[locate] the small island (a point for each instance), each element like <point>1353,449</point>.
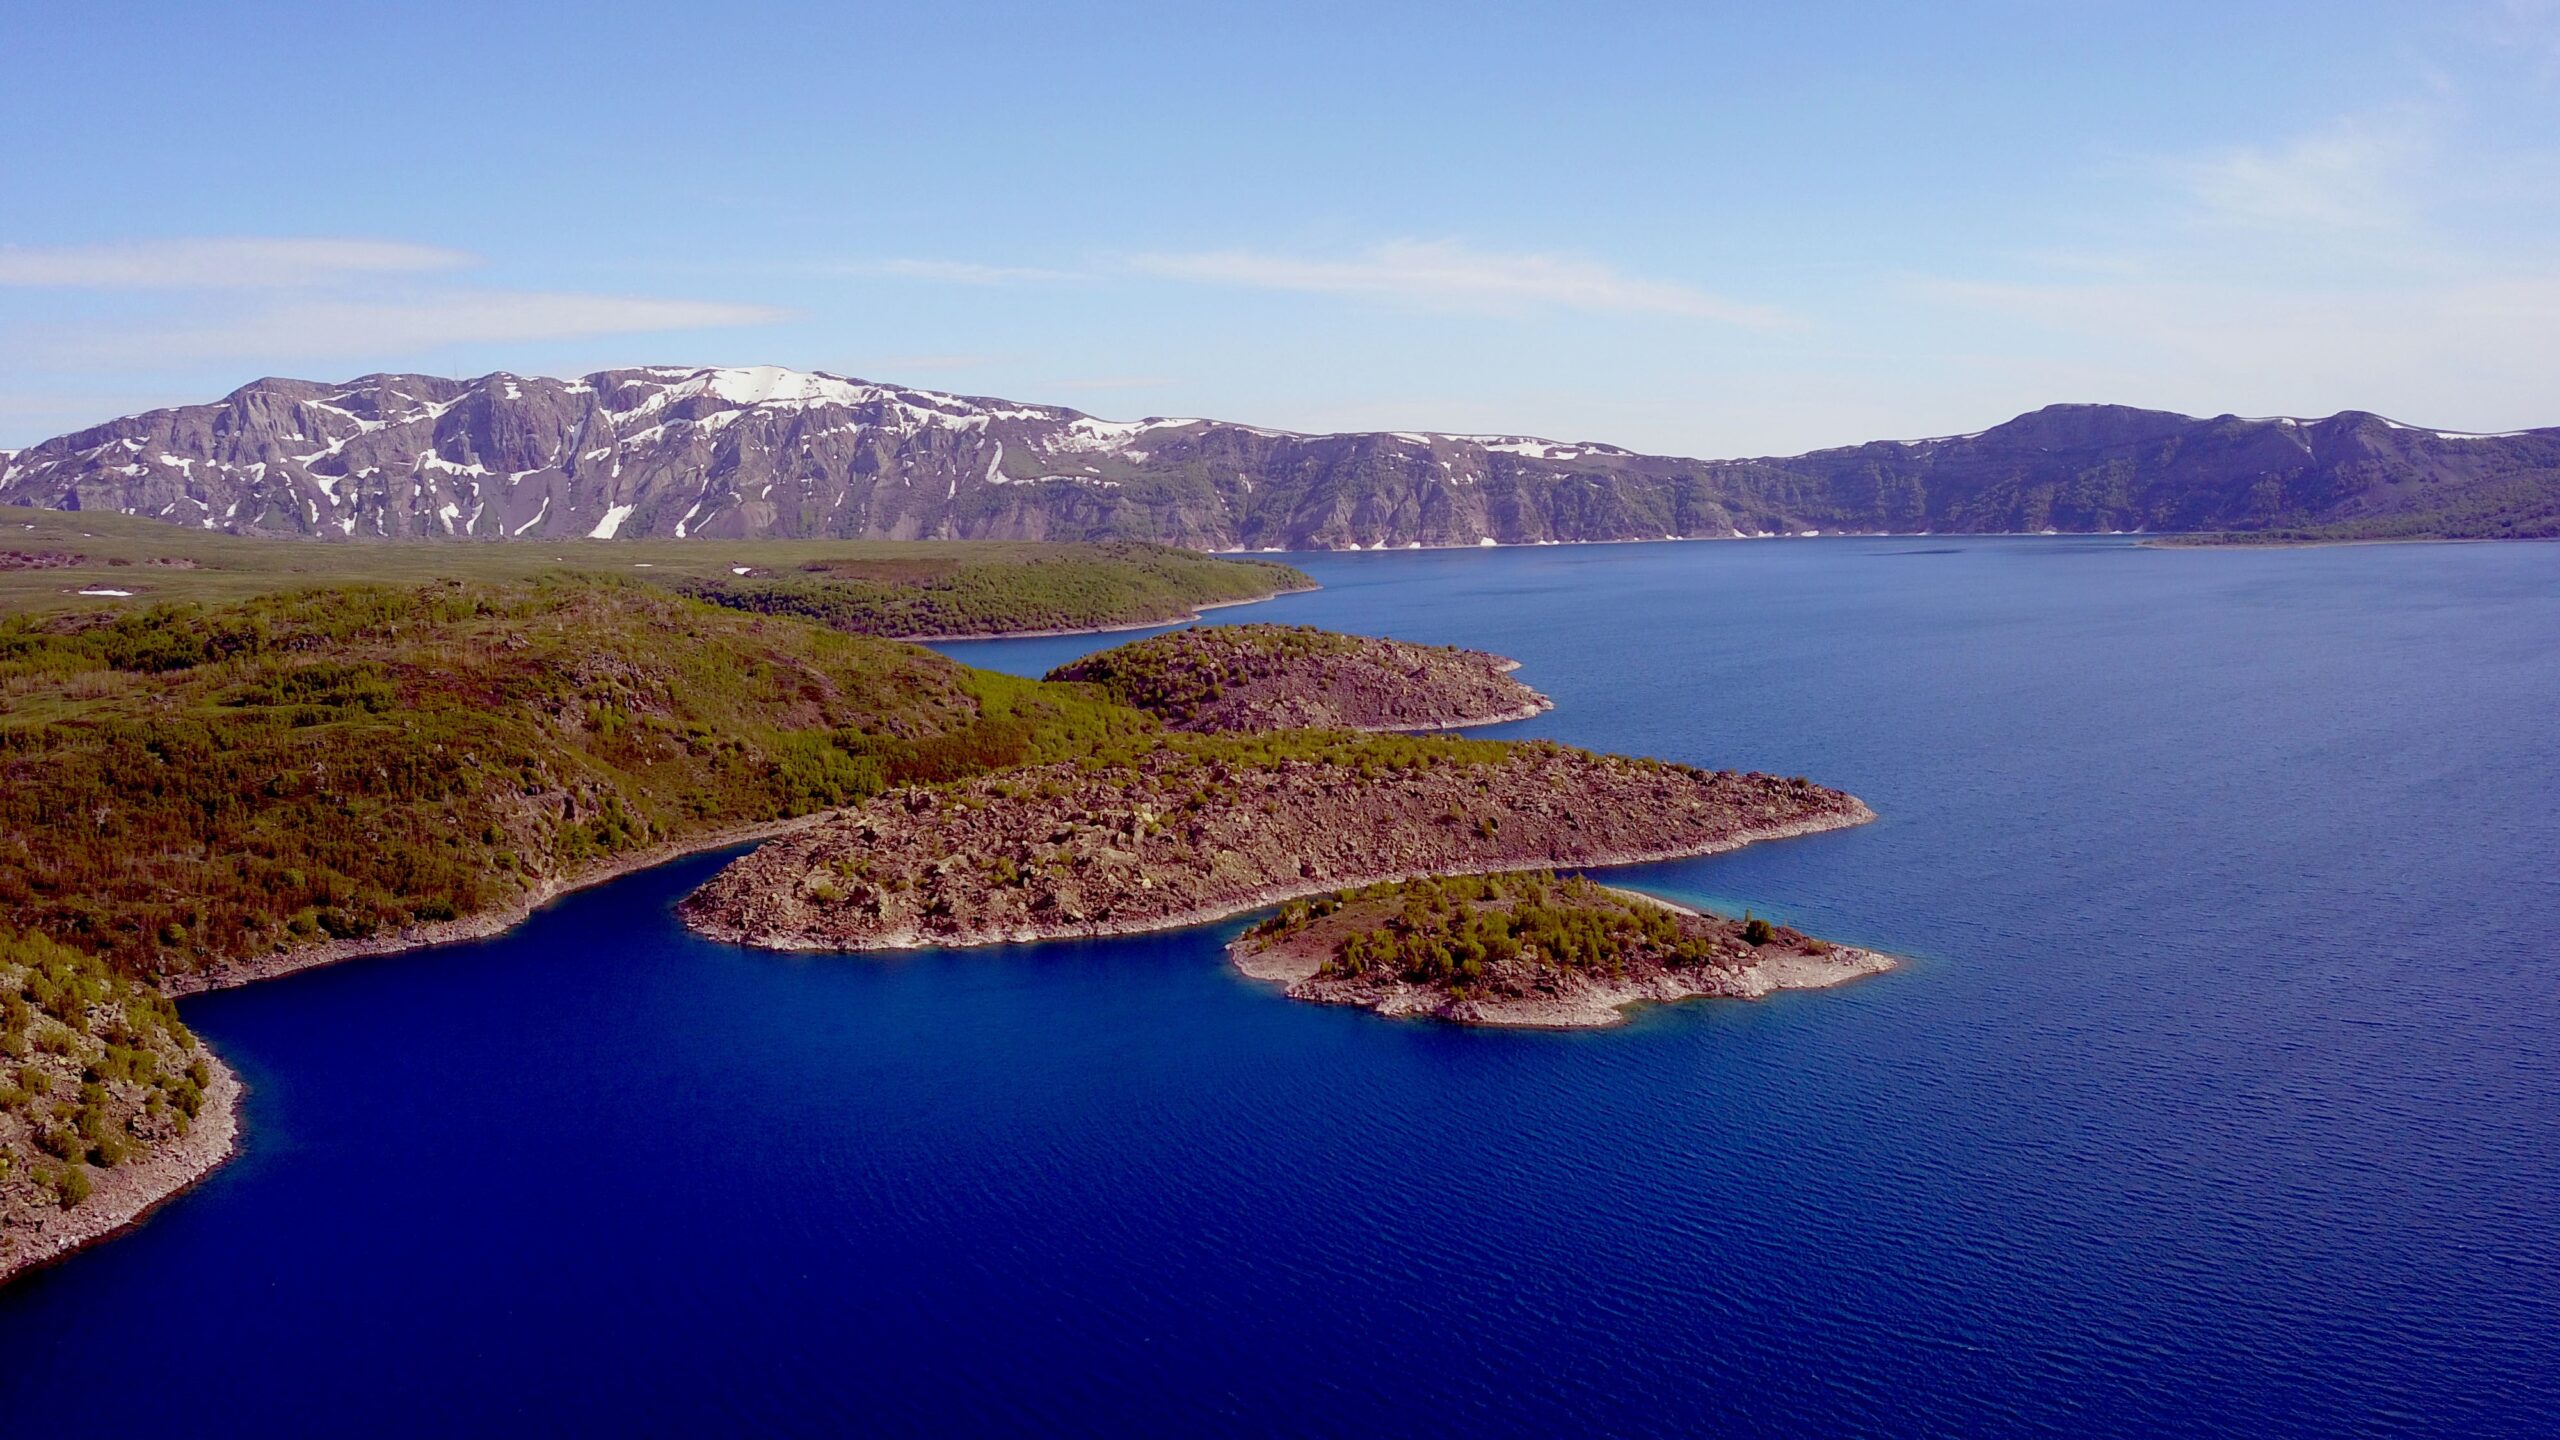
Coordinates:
<point>1288,677</point>
<point>1528,949</point>
<point>1195,829</point>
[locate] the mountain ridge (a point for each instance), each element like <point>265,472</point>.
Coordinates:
<point>757,451</point>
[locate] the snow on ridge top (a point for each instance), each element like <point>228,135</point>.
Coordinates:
<point>1106,429</point>
<point>2457,434</point>
<point>1533,447</point>
<point>750,386</point>
<point>760,384</point>
<point>1084,432</point>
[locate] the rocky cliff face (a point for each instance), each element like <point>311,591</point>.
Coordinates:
<point>771,452</point>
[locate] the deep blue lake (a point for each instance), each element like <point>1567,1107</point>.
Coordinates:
<point>2221,1094</point>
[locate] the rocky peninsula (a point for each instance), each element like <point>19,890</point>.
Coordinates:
<point>1528,949</point>
<point>108,1105</point>
<point>1195,829</point>
<point>352,770</point>
<point>1284,677</point>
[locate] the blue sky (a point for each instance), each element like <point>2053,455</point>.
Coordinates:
<point>1703,228</point>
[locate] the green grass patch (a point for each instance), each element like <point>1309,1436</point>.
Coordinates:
<point>187,784</point>
<point>871,587</point>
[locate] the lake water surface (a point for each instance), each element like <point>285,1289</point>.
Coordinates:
<point>2221,1094</point>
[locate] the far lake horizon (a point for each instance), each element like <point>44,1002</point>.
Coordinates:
<point>2216,1094</point>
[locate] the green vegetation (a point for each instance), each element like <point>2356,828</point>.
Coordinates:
<point>878,587</point>
<point>93,1067</point>
<point>185,785</point>
<point>233,762</point>
<point>1068,587</point>
<point>1452,930</point>
<point>1369,756</point>
<point>2524,508</point>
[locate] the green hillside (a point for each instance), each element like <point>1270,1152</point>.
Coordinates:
<point>907,589</point>
<point>186,785</point>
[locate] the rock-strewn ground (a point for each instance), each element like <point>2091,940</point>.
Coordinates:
<point>108,1104</point>
<point>1285,677</point>
<point>1528,949</point>
<point>1195,830</point>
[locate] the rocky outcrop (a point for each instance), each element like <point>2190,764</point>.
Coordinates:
<point>1192,831</point>
<point>1529,950</point>
<point>39,560</point>
<point>1289,677</point>
<point>108,1105</point>
<point>770,452</point>
<point>37,1231</point>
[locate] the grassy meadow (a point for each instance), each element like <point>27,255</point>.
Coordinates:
<point>895,588</point>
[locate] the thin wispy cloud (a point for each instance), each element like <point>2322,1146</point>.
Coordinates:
<point>1110,382</point>
<point>262,300</point>
<point>325,328</point>
<point>1447,274</point>
<point>2354,174</point>
<point>888,364</point>
<point>952,272</point>
<point>51,412</point>
<point>2235,340</point>
<point>2531,26</point>
<point>218,263</point>
<point>2335,267</point>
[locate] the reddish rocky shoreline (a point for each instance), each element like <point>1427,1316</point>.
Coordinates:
<point>1527,995</point>
<point>1263,677</point>
<point>1185,618</point>
<point>497,920</point>
<point>127,1194</point>
<point>1058,852</point>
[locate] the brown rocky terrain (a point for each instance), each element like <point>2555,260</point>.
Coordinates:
<point>36,1229</point>
<point>1193,830</point>
<point>1528,949</point>
<point>108,1105</point>
<point>1290,677</point>
<point>38,560</point>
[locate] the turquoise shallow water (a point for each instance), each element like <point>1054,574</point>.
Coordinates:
<point>2220,1093</point>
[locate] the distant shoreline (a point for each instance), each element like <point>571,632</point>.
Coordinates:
<point>1195,613</point>
<point>2141,539</point>
<point>1529,711</point>
<point>1412,547</point>
<point>2240,540</point>
<point>481,926</point>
